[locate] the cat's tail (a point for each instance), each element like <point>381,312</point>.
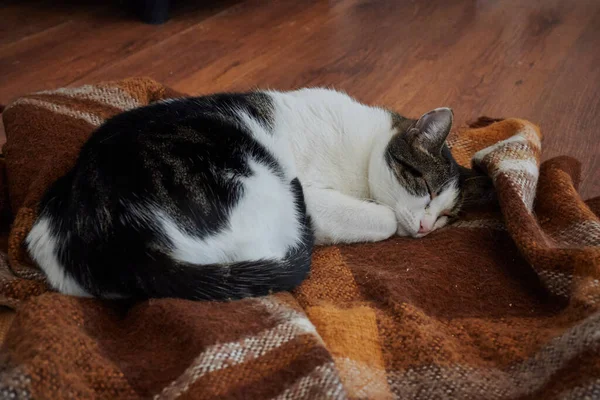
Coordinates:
<point>231,281</point>
<point>228,281</point>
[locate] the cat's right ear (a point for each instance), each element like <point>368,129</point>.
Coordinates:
<point>432,129</point>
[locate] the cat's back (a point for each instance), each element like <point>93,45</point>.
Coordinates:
<point>206,115</point>
<point>171,199</point>
<point>331,135</point>
<point>207,132</point>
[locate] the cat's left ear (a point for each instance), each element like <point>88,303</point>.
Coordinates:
<point>433,127</point>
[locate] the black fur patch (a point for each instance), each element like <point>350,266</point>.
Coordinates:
<point>182,156</point>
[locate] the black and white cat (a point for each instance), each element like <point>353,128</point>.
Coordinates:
<point>223,196</point>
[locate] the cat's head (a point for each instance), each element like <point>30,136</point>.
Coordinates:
<point>424,184</point>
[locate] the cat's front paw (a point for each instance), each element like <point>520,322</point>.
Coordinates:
<point>389,224</point>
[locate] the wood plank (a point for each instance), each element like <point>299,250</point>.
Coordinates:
<point>24,19</point>
<point>81,45</point>
<point>536,59</point>
<point>568,108</point>
<point>221,39</point>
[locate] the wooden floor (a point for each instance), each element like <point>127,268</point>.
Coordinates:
<point>533,59</point>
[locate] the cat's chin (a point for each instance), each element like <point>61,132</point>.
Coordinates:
<point>420,235</point>
<point>403,231</point>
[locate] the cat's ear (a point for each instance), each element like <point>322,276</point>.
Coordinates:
<point>433,127</point>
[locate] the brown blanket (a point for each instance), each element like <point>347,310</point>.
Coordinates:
<point>502,304</point>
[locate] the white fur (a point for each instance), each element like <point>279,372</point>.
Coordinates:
<point>338,145</point>
<point>263,225</point>
<point>42,244</point>
<point>339,218</point>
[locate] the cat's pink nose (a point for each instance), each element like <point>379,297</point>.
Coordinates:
<point>424,227</point>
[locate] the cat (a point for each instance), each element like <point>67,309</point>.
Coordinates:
<point>224,196</point>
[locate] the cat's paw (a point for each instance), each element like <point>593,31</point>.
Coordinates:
<point>389,223</point>
<point>382,223</point>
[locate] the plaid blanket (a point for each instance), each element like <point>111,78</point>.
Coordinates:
<point>503,304</point>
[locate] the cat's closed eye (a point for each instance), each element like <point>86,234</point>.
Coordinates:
<point>432,194</point>
<point>418,175</point>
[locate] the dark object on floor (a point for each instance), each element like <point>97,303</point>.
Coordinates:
<point>153,11</point>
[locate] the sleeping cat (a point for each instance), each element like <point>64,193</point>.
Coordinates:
<point>223,196</point>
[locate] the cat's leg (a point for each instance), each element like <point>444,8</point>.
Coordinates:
<point>338,218</point>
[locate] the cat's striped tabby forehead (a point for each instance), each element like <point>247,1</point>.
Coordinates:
<point>418,156</point>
